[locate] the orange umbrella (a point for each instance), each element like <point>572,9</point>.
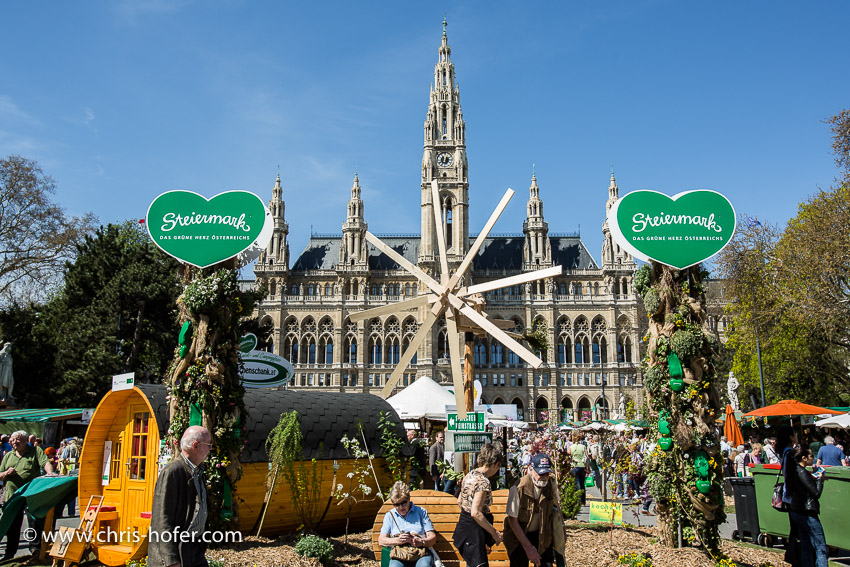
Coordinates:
<point>789,408</point>
<point>731,429</point>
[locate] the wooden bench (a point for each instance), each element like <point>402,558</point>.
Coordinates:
<point>443,510</point>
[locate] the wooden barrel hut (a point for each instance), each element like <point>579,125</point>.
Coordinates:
<point>120,461</point>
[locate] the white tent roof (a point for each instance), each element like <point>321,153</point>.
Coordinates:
<point>423,398</point>
<point>841,421</point>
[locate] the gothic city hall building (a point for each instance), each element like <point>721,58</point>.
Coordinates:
<point>589,312</point>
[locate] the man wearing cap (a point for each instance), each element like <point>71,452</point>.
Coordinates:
<point>531,505</point>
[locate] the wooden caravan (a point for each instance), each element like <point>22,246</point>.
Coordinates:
<point>121,453</point>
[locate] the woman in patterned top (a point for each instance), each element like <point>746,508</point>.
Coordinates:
<point>474,532</point>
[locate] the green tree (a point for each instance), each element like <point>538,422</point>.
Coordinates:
<point>789,294</point>
<point>36,238</point>
<point>116,313</point>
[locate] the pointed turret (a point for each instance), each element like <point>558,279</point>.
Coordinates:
<point>352,252</point>
<point>273,263</point>
<point>617,264</point>
<point>537,250</point>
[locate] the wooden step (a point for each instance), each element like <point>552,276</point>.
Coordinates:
<point>114,554</point>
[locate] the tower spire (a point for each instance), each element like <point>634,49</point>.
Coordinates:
<point>352,251</point>
<point>537,250</point>
<point>444,160</point>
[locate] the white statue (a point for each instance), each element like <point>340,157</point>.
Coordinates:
<point>7,380</point>
<point>621,407</point>
<point>732,389</point>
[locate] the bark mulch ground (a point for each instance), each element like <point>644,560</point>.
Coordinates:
<point>587,546</point>
<point>597,546</point>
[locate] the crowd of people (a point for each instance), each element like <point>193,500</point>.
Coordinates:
<point>24,457</point>
<point>621,458</point>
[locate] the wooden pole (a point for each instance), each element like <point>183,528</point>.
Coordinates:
<point>468,383</point>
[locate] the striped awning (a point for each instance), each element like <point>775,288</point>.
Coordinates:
<point>41,415</point>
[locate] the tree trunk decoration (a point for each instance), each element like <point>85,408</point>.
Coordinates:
<point>685,467</point>
<point>203,381</point>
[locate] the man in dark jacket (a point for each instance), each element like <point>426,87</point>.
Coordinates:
<point>179,515</point>
<point>436,454</point>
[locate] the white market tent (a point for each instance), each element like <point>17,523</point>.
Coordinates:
<point>507,423</point>
<point>840,421</point>
<point>423,398</point>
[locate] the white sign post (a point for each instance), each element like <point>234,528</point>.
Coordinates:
<point>107,457</point>
<point>123,381</point>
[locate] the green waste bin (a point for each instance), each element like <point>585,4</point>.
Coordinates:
<point>771,521</point>
<point>834,503</point>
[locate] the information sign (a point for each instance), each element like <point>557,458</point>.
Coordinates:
<point>600,512</point>
<point>123,381</point>
<point>468,442</point>
<point>474,421</point>
<point>680,231</point>
<point>203,232</point>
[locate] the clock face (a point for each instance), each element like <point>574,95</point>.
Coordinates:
<point>444,159</point>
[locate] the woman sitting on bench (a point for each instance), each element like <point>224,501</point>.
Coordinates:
<point>407,531</point>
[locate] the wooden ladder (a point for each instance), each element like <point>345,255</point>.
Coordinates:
<point>70,544</point>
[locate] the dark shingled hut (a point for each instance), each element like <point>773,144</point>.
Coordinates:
<point>120,456</point>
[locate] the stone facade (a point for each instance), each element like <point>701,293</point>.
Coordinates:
<point>590,312</point>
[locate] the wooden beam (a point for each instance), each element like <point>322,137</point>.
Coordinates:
<point>496,332</point>
<point>402,261</point>
<point>405,305</point>
<point>438,225</point>
<point>454,356</point>
<point>511,280</point>
<point>470,256</point>
<point>407,355</point>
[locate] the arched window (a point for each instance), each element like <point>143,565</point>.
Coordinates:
<point>290,349</point>
<point>273,288</point>
<point>374,289</point>
<point>564,348</point>
<point>479,354</point>
<point>310,290</point>
<point>351,350</point>
<point>405,344</point>
<point>442,345</point>
<point>497,352</point>
<point>375,351</point>
<point>407,289</point>
<point>327,289</point>
<point>392,351</point>
<point>628,349</point>
<point>293,290</point>
<point>519,408</point>
<point>596,353</point>
<point>311,351</point>
<point>448,224</point>
<point>329,351</point>
<point>563,289</point>
<point>514,359</point>
<point>579,352</point>
<point>578,288</point>
<point>596,289</point>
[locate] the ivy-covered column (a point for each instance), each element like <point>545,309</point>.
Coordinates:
<point>685,467</point>
<point>204,385</point>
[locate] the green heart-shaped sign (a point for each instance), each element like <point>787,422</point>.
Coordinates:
<point>203,232</point>
<point>680,231</point>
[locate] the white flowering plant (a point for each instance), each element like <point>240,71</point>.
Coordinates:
<point>359,487</point>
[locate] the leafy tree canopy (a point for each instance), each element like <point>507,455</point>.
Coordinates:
<point>116,314</point>
<point>36,238</point>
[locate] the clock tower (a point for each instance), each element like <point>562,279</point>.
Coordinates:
<point>444,159</point>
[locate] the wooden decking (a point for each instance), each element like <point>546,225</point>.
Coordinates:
<point>443,510</point>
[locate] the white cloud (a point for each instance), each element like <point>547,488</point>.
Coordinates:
<point>88,121</point>
<point>10,110</point>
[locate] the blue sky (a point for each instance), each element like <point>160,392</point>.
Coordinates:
<point>120,101</point>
